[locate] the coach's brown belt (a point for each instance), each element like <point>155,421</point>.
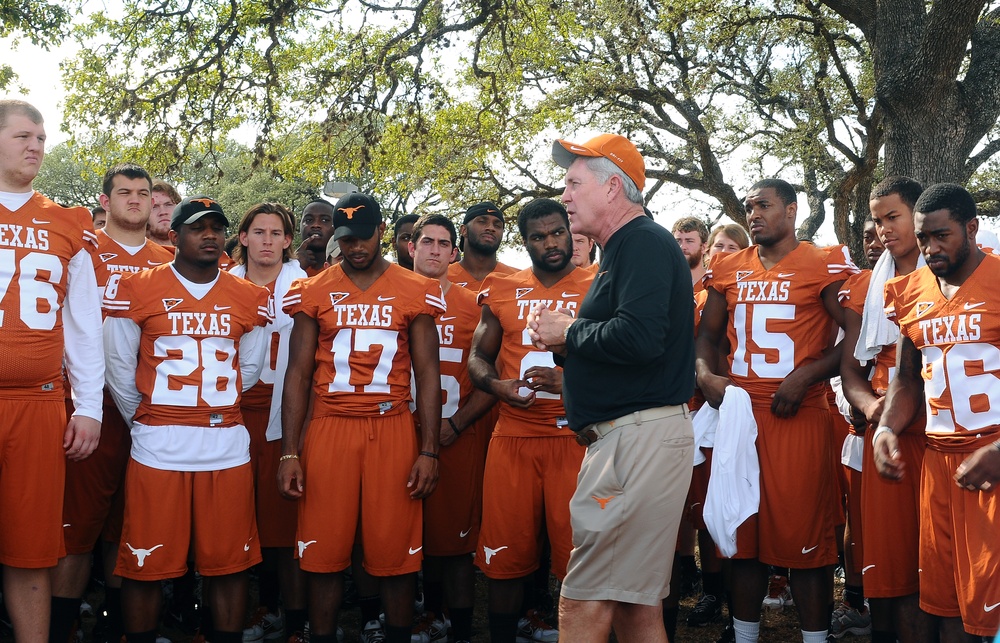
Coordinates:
<point>594,432</point>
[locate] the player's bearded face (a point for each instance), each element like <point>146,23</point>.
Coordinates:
<point>483,234</point>
<point>549,243</point>
<point>944,242</point>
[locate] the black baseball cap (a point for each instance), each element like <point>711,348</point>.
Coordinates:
<point>486,207</point>
<point>356,215</point>
<point>193,208</point>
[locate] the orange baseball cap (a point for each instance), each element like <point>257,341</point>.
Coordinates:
<point>618,149</point>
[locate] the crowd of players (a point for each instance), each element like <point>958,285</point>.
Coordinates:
<point>311,411</point>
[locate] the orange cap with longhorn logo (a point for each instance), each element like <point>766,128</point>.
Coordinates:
<point>617,149</point>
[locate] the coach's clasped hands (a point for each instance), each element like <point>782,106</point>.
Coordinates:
<point>547,328</point>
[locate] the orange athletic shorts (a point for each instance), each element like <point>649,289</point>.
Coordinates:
<point>452,514</point>
<point>794,526</point>
<point>527,487</point>
<point>890,513</point>
<point>32,479</point>
<point>355,470</point>
<point>959,553</point>
<point>694,507</point>
<point>838,433</point>
<point>276,515</point>
<point>168,513</point>
<point>93,504</point>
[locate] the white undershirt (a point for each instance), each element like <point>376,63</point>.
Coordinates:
<point>13,201</point>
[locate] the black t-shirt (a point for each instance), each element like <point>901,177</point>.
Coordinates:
<point>632,346</point>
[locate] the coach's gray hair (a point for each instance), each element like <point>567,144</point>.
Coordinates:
<point>11,106</point>
<point>604,168</point>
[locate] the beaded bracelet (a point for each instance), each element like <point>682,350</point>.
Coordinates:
<point>289,456</point>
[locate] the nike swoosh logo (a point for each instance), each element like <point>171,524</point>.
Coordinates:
<point>990,608</point>
<point>37,222</point>
<point>465,533</point>
<point>969,306</point>
<point>413,551</point>
<point>381,298</point>
<point>574,148</point>
<point>866,568</point>
<point>806,551</point>
<point>695,505</point>
<point>66,525</point>
<point>786,275</point>
<point>447,318</point>
<point>154,263</point>
<point>567,295</point>
<point>218,307</point>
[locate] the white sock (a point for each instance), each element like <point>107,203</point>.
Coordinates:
<point>747,632</point>
<point>814,637</point>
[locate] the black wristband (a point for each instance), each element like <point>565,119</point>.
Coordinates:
<point>453,427</point>
<point>430,454</point>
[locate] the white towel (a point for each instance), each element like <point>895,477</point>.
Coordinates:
<point>876,330</point>
<point>734,486</point>
<point>705,421</point>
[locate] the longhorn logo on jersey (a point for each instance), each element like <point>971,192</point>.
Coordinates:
<point>107,256</point>
<point>337,297</point>
<point>521,292</point>
<point>170,304</point>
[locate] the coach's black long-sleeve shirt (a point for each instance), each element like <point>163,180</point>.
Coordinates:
<point>632,345</point>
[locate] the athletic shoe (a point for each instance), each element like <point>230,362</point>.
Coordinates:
<point>435,628</point>
<point>253,634</point>
<point>373,633</point>
<point>779,595</point>
<point>847,620</point>
<point>86,609</point>
<point>272,625</point>
<point>532,629</point>
<point>162,639</point>
<point>708,610</point>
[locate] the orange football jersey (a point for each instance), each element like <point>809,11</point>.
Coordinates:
<point>510,299</point>
<point>188,372</point>
<point>363,356</point>
<point>37,243</point>
<point>777,319</point>
<point>455,330</point>
<point>959,341</point>
<point>113,260</point>
<point>461,277</point>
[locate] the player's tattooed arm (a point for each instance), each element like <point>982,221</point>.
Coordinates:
<point>295,402</point>
<point>482,364</point>
<point>902,403</point>
<point>711,334</point>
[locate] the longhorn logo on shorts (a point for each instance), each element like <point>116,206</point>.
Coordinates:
<point>350,211</point>
<point>603,501</point>
<point>490,553</point>
<point>303,545</point>
<point>141,554</point>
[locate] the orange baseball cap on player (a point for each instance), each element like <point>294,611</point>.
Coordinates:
<point>618,149</point>
<point>356,215</point>
<point>193,208</point>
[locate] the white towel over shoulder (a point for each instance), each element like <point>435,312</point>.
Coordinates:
<point>734,486</point>
<point>876,329</point>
